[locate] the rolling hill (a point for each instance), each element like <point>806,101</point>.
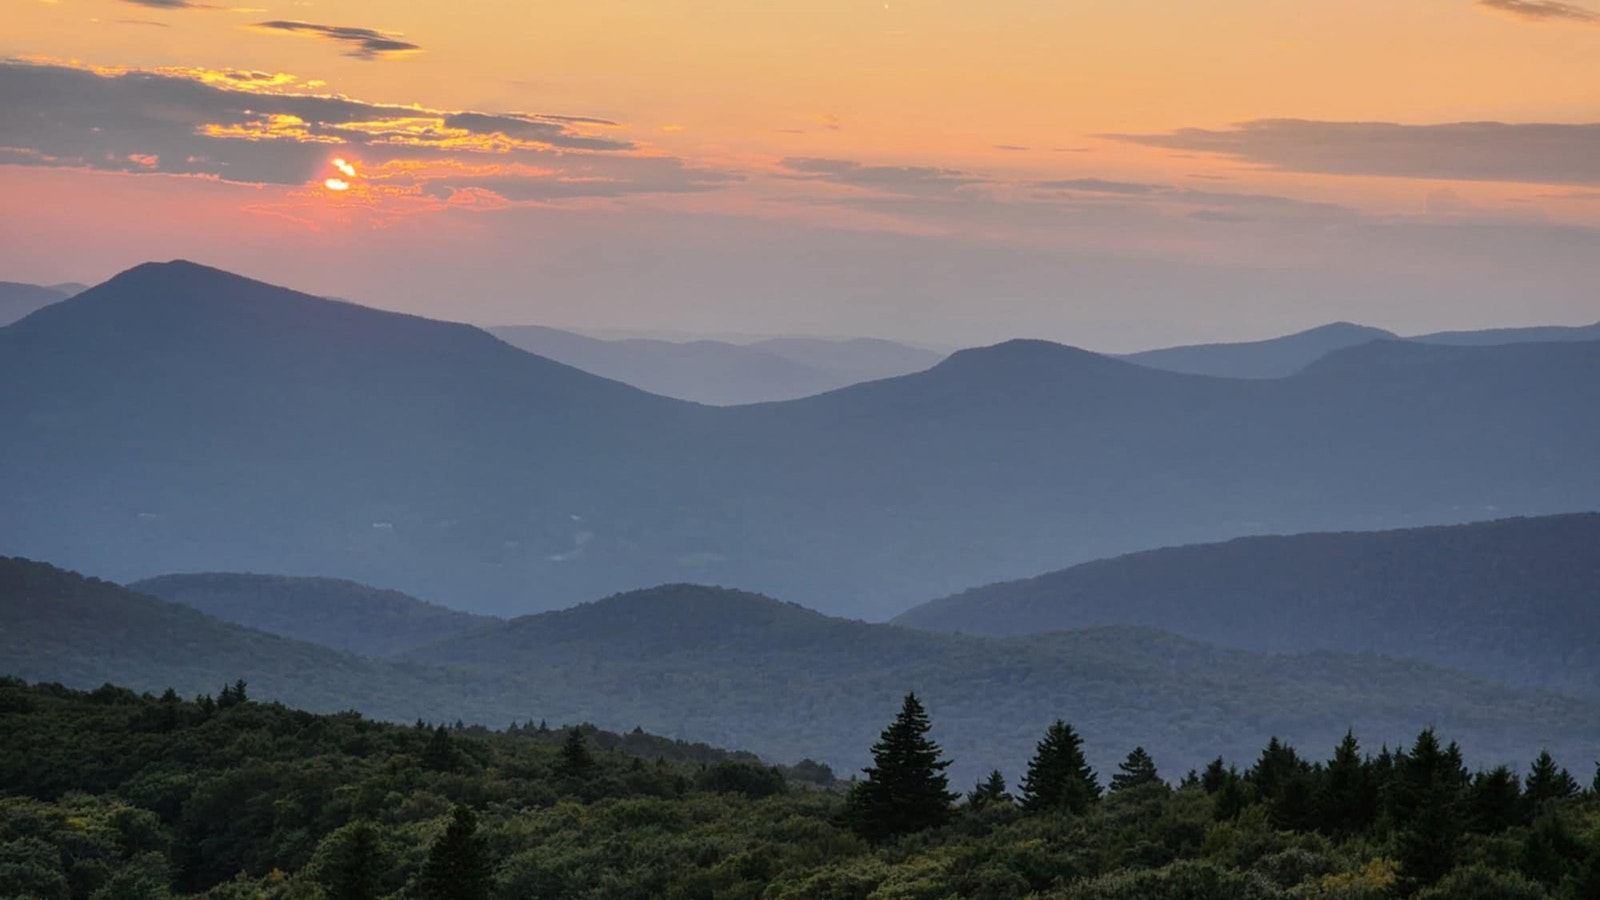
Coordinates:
<point>178,418</point>
<point>1271,358</point>
<point>331,612</point>
<point>1514,600</point>
<point>720,373</point>
<point>748,672</point>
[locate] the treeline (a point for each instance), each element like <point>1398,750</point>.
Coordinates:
<point>112,794</point>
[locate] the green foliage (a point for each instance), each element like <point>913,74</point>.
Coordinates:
<point>905,790</point>
<point>113,795</point>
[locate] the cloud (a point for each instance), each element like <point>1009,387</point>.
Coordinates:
<point>268,129</point>
<point>1542,10</point>
<point>893,179</point>
<point>170,4</point>
<point>361,43</point>
<point>1462,151</point>
<point>1101,186</point>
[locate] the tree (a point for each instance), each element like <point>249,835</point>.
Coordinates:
<point>1059,777</point>
<point>457,867</point>
<point>1214,776</point>
<point>574,759</point>
<point>1495,801</point>
<point>232,695</point>
<point>1427,801</point>
<point>1548,781</point>
<point>440,755</point>
<point>351,863</point>
<point>905,790</point>
<point>990,792</point>
<point>1349,798</point>
<point>1138,769</point>
<point>1279,763</point>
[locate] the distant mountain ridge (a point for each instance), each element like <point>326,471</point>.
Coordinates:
<point>1514,600</point>
<point>771,677</point>
<point>178,418</point>
<point>19,300</point>
<point>722,373</point>
<point>330,612</point>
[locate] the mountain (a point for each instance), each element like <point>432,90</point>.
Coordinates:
<point>1537,334</point>
<point>18,300</point>
<point>720,373</point>
<point>745,671</point>
<point>331,612</point>
<point>1514,600</point>
<point>1272,358</point>
<point>59,626</point>
<point>178,418</point>
<point>742,670</point>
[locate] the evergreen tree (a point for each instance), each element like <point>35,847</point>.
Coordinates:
<point>990,792</point>
<point>574,759</point>
<point>351,863</point>
<point>440,755</point>
<point>1548,781</point>
<point>1214,776</point>
<point>457,867</point>
<point>905,790</point>
<point>1138,769</point>
<point>1278,764</point>
<point>232,695</point>
<point>1059,777</point>
<point>1427,808</point>
<point>1594,786</point>
<point>1494,801</point>
<point>1349,797</point>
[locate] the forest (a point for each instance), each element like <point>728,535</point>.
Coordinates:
<point>110,793</point>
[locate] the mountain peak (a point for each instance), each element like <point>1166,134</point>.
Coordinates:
<point>1029,355</point>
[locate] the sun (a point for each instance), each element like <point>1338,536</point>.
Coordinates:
<point>342,181</point>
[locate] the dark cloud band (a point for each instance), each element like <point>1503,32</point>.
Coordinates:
<point>361,43</point>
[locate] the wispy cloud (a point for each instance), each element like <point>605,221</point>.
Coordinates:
<point>170,4</point>
<point>361,43</point>
<point>270,129</point>
<point>1101,186</point>
<point>1461,151</point>
<point>1542,10</point>
<point>894,179</point>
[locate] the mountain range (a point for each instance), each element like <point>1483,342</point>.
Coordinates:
<point>721,373</point>
<point>1512,600</point>
<point>1282,356</point>
<point>179,418</point>
<point>749,672</point>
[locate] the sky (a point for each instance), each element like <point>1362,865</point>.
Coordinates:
<point>1115,174</point>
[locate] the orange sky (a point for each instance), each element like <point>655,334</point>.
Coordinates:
<point>1033,133</point>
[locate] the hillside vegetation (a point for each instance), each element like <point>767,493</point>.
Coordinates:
<point>1514,600</point>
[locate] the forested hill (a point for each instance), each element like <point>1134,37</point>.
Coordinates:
<point>748,672</point>
<point>1515,599</point>
<point>332,612</point>
<point>112,794</point>
<point>179,419</point>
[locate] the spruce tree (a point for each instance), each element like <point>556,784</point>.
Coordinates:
<point>1594,786</point>
<point>1548,781</point>
<point>905,790</point>
<point>1427,807</point>
<point>1059,777</point>
<point>1272,772</point>
<point>574,759</point>
<point>1349,798</point>
<point>440,754</point>
<point>457,867</point>
<point>1494,801</point>
<point>1214,776</point>
<point>990,792</point>
<point>1138,769</point>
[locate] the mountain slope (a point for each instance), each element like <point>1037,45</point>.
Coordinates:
<point>1271,358</point>
<point>786,682</point>
<point>721,373</point>
<point>19,300</point>
<point>181,419</point>
<point>331,612</point>
<point>1514,600</point>
<point>59,626</point>
<point>1490,336</point>
<point>728,666</point>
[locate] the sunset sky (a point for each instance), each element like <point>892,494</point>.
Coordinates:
<point>1115,174</point>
